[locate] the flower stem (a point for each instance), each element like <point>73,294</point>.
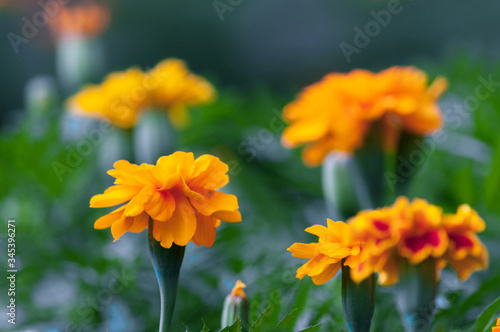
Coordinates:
<point>415,294</point>
<point>358,301</point>
<point>167,264</point>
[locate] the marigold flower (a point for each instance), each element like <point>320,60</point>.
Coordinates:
<point>416,231</point>
<point>123,96</point>
<point>336,113</point>
<point>88,19</point>
<point>336,242</point>
<point>178,194</point>
<point>465,253</point>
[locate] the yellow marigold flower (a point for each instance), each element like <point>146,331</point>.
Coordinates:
<point>336,113</point>
<point>123,96</point>
<point>88,19</point>
<point>336,242</point>
<point>178,194</point>
<point>465,253</point>
<point>119,99</point>
<point>176,88</point>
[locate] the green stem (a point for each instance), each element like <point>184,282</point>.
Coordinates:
<point>415,294</point>
<point>358,301</point>
<point>167,264</point>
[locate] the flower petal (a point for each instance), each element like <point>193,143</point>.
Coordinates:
<point>114,195</point>
<point>161,205</point>
<point>108,219</point>
<point>205,231</point>
<point>215,201</point>
<point>304,250</point>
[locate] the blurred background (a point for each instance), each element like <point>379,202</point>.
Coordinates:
<point>258,55</point>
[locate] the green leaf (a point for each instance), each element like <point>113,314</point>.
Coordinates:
<point>261,320</point>
<point>289,319</point>
<point>488,316</point>
<point>205,328</point>
<point>236,327</point>
<point>312,328</point>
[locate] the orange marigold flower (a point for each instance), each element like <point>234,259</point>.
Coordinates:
<point>466,253</point>
<point>123,96</point>
<point>336,242</point>
<point>88,19</point>
<point>178,194</point>
<point>336,113</point>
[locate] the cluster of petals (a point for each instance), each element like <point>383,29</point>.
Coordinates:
<point>123,96</point>
<point>407,231</point>
<point>337,113</point>
<point>178,197</point>
<point>335,243</point>
<point>85,19</point>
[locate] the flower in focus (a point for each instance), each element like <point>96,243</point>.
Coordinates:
<point>336,242</point>
<point>465,253</point>
<point>336,113</point>
<point>86,19</point>
<point>179,194</point>
<point>123,96</point>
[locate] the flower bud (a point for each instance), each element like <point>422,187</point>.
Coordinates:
<point>235,306</point>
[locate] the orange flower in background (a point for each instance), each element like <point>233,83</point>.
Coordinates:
<point>123,96</point>
<point>178,194</point>
<point>336,113</point>
<point>86,19</point>
<point>325,257</point>
<point>465,253</point>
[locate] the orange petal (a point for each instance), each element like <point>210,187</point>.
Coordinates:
<point>205,231</point>
<point>212,177</point>
<point>304,250</point>
<point>183,221</point>
<point>107,220</point>
<point>228,216</point>
<point>140,223</point>
<point>121,226</point>
<point>136,204</point>
<point>328,273</point>
<point>162,233</point>
<point>161,205</point>
<point>114,195</point>
<point>215,201</point>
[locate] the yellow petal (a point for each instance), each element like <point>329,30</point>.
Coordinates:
<point>183,221</point>
<point>211,176</point>
<point>140,223</point>
<point>228,216</point>
<point>121,226</point>
<point>328,273</point>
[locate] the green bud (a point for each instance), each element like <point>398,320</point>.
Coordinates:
<point>235,306</point>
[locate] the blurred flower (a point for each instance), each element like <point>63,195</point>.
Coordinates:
<point>414,232</point>
<point>177,88</point>
<point>497,327</point>
<point>86,19</point>
<point>123,96</point>
<point>336,113</point>
<point>178,194</point>
<point>336,242</point>
<point>237,290</point>
<point>465,253</point>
